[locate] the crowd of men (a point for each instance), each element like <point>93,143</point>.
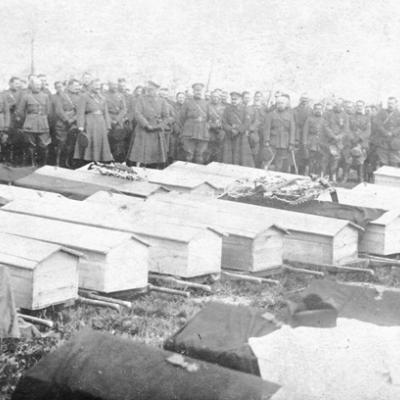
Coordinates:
<point>85,120</point>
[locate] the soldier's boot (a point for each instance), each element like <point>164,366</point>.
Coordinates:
<point>306,170</point>
<point>32,156</point>
<point>58,156</point>
<point>45,155</point>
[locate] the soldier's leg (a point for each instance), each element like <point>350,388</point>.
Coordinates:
<point>189,146</point>
<point>200,149</point>
<point>254,142</point>
<point>43,143</point>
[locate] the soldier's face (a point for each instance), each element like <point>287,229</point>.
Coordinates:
<point>138,91</point>
<point>74,87</point>
<point>96,86</point>
<point>257,98</point>
<point>112,87</point>
<point>235,100</point>
<point>318,111</point>
<point>59,87</point>
<point>246,99</point>
<point>214,98</point>
<point>122,86</point>
<point>197,92</point>
<point>164,93</point>
<point>180,99</point>
<point>392,104</point>
<point>281,103</point>
<point>360,108</point>
<point>224,96</point>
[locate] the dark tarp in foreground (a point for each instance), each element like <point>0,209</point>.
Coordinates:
<point>368,303</point>
<point>8,313</point>
<point>100,366</point>
<point>10,174</point>
<point>360,216</point>
<point>219,333</point>
<point>71,189</point>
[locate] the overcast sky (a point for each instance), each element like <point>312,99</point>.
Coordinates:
<point>347,47</point>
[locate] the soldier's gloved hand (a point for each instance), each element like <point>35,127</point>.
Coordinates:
<point>267,144</point>
<point>150,128</point>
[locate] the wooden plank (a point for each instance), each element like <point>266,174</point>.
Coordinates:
<point>387,176</point>
<point>9,193</point>
<point>176,249</point>
<point>41,274</point>
<point>114,261</point>
<point>132,188</point>
<point>310,240</point>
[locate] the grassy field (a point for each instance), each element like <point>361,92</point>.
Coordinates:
<point>153,318</point>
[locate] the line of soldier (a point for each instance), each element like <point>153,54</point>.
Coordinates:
<point>84,121</point>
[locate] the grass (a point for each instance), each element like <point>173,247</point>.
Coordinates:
<point>153,318</point>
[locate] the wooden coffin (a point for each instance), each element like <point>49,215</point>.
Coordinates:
<point>312,239</point>
<point>41,274</point>
<point>131,188</point>
<point>387,176</point>
<point>114,199</point>
<point>176,249</point>
<point>113,261</point>
<point>240,172</point>
<point>381,236</point>
<point>248,245</point>
<point>9,193</point>
<point>386,197</point>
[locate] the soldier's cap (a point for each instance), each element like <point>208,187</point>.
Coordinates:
<point>235,94</point>
<point>304,97</point>
<point>198,84</point>
<point>153,84</point>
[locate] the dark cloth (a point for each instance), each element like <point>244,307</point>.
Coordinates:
<point>10,174</point>
<point>100,366</point>
<point>359,301</point>
<point>219,334</point>
<point>360,216</point>
<point>72,189</point>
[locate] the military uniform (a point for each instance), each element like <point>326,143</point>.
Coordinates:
<point>313,129</point>
<point>195,134</point>
<point>66,129</point>
<point>279,136</point>
<point>149,145</point>
<point>92,116</point>
<point>301,113</point>
<point>387,137</point>
<point>252,123</point>
<point>335,131</point>
<point>236,149</point>
<point>356,143</point>
<point>217,134</point>
<point>15,137</point>
<point>117,110</point>
<point>34,109</point>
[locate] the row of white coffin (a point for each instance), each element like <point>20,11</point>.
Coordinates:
<point>110,242</point>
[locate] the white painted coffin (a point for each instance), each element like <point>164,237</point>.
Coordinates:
<point>249,244</point>
<point>9,193</point>
<point>113,261</point>
<point>41,274</point>
<point>176,249</point>
<point>131,188</point>
<point>313,239</point>
<point>114,199</point>
<point>382,236</point>
<point>387,176</point>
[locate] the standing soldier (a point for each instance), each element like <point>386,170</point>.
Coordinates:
<point>387,134</point>
<point>117,111</point>
<point>216,110</point>
<point>169,122</point>
<point>356,143</point>
<point>15,142</point>
<point>261,110</point>
<point>128,97</point>
<point>252,124</point>
<point>236,143</point>
<point>194,120</point>
<point>149,145</point>
<point>336,131</point>
<point>4,124</point>
<point>175,150</point>
<point>301,113</point>
<point>280,135</point>
<point>93,125</point>
<point>66,129</point>
<point>313,128</point>
<point>34,109</point>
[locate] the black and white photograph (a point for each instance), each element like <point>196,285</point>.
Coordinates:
<point>199,200</point>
